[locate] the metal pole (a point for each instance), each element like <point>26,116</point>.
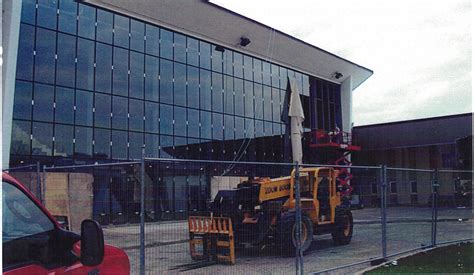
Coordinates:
<point>43,186</point>
<point>38,180</point>
<point>299,253</point>
<point>142,213</point>
<point>383,208</point>
<point>434,206</point>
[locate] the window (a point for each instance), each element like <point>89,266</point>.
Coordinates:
<point>239,128</point>
<point>85,64</point>
<point>44,100</point>
<point>136,74</point>
<point>28,11</point>
<point>137,35</point>
<point>20,144</point>
<point>228,94</point>
<point>193,123</point>
<point>151,117</point>
<point>47,14</point>
<point>166,81</point>
<point>104,26</point>
<point>136,143</point>
<point>23,219</point>
<point>64,105</point>
<point>103,71</point>
<point>119,145</point>
<point>136,115</point>
<point>84,107</point>
<point>166,44</point>
<point>239,97</point>
<point>217,125</point>
<point>180,48</point>
<point>102,110</point>
<point>66,64</point>
<point>204,55</point>
<point>120,72</point>
<point>152,45</point>
<point>42,139</point>
<point>67,16</point>
<point>63,137</point>
<point>102,143</point>
<point>193,51</point>
<point>120,113</point>
<point>22,100</point>
<point>179,121</point>
<point>193,87</point>
<point>275,78</point>
<point>24,69</point>
<point>217,92</point>
<point>248,67</point>
<point>206,122</point>
<point>152,142</point>
<point>228,127</point>
<point>413,187</point>
<point>249,112</point>
<point>179,84</point>
<point>238,65</point>
<point>267,103</point>
<point>266,73</point>
<point>216,59</point>
<point>258,101</point>
<point>151,78</point>
<point>205,91</point>
<point>166,119</point>
<point>277,107</point>
<point>257,70</point>
<point>86,21</point>
<point>83,142</point>
<point>121,31</point>
<point>393,187</point>
<point>45,55</point>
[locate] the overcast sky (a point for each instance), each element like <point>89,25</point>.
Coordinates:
<point>420,51</point>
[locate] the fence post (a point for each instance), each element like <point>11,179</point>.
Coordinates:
<point>43,186</point>
<point>38,180</point>
<point>434,206</point>
<point>142,213</point>
<point>383,208</point>
<point>299,254</point>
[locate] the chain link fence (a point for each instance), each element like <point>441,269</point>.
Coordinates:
<point>144,208</point>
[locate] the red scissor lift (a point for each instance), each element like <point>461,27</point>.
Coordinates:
<point>338,146</point>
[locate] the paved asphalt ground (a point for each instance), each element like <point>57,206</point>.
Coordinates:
<point>408,227</point>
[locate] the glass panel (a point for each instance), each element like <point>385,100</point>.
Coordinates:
<point>43,99</point>
<point>152,40</point>
<point>193,51</point>
<point>26,47</point>
<point>119,145</point>
<point>45,55</point>
<point>179,47</point>
<point>181,198</point>
<point>306,85</point>
<point>136,74</point>
<point>257,70</point>
<point>239,96</point>
<point>268,129</point>
<point>248,67</point>
<point>136,143</point>
<point>152,142</point>
<point>63,137</point>
<point>193,123</point>
<point>166,81</point>
<point>239,127</point>
<point>283,78</point>
<point>206,122</point>
<point>121,31</point>
<point>275,76</point>
<point>249,128</point>
<point>276,105</point>
<point>47,13</point>
<point>151,117</point>
<point>42,142</point>
<point>22,101</point>
<point>267,103</point>
<point>28,11</point>
<point>66,63</point>
<point>179,84</point>
<point>166,44</point>
<point>151,78</point>
<point>86,21</point>
<point>238,65</point>
<point>83,142</point>
<point>102,111</point>
<point>84,106</point>
<point>64,112</point>
<point>228,62</point>
<point>67,16</point>
<point>228,94</point>
<point>120,72</point>
<point>204,55</point>
<point>103,71</point>
<point>85,64</point>
<point>136,115</point>
<point>259,128</point>
<point>216,92</point>
<point>120,113</point>
<point>137,35</point>
<point>258,101</point>
<point>217,125</point>
<point>21,132</point>
<point>276,129</point>
<point>105,21</point>
<point>228,127</point>
<point>166,119</point>
<point>101,143</point>
<point>193,87</point>
<point>249,112</point>
<point>205,91</point>
<point>179,121</point>
<point>266,73</point>
<point>216,59</point>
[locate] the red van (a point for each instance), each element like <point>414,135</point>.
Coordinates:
<point>34,243</point>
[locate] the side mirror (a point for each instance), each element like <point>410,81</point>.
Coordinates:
<point>92,243</point>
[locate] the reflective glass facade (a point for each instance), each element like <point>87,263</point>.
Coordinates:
<point>93,85</point>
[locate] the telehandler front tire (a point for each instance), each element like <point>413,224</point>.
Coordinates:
<point>343,227</point>
<point>287,234</point>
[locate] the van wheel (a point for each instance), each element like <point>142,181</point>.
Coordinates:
<point>343,227</point>
<point>287,234</point>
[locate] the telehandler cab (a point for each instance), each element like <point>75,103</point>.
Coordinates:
<point>262,211</point>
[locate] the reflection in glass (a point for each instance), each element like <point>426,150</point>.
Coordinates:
<point>20,143</point>
<point>193,87</point>
<point>64,112</point>
<point>42,139</point>
<point>119,145</point>
<point>84,106</point>
<point>119,113</point>
<point>85,64</point>
<point>43,97</point>
<point>67,16</point>
<point>26,47</point>
<point>66,64</point>
<point>103,71</point>
<point>101,143</point>
<point>102,110</point>
<point>136,74</point>
<point>121,31</point>
<point>105,26</point>
<point>22,100</point>
<point>166,81</point>
<point>179,84</point>
<point>120,72</point>
<point>47,14</point>
<point>86,21</point>
<point>83,142</point>
<point>137,35</point>
<point>166,119</point>
<point>151,78</point>
<point>45,55</point>
<point>63,137</point>
<point>166,44</point>
<point>151,117</point>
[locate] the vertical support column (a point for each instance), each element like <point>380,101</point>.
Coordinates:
<point>299,252</point>
<point>38,180</point>
<point>434,206</point>
<point>43,186</point>
<point>142,213</point>
<point>383,208</point>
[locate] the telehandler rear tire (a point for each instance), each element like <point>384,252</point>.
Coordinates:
<point>343,227</point>
<point>287,234</point>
